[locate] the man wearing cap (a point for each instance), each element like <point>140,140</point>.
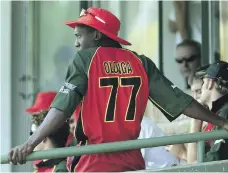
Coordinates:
<point>181,150</point>
<point>58,139</point>
<point>215,96</point>
<point>112,85</point>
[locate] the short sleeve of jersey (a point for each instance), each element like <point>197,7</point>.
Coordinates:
<point>75,87</point>
<point>169,99</point>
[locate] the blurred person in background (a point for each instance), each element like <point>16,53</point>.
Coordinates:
<point>155,157</point>
<point>195,84</point>
<point>103,78</point>
<point>185,20</point>
<point>215,96</point>
<point>58,139</point>
<point>188,57</point>
<point>180,150</point>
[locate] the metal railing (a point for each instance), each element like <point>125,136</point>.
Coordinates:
<point>123,145</point>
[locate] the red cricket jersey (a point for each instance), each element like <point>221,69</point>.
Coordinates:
<point>112,109</point>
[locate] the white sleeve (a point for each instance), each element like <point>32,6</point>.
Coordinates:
<point>157,157</point>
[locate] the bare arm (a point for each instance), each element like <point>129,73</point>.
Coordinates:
<point>63,106</point>
<point>196,126</point>
<point>172,26</point>
<point>178,150</point>
<point>197,111</point>
<point>54,120</point>
<point>181,15</point>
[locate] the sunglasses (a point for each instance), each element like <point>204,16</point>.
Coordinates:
<point>85,12</point>
<point>189,59</point>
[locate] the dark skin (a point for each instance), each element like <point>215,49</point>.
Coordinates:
<point>86,38</point>
<point>55,118</point>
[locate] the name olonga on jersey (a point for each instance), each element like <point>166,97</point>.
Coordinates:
<point>113,67</point>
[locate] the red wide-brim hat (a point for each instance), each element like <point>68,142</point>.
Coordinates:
<point>102,20</point>
<point>42,102</point>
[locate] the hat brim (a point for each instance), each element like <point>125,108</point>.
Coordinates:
<point>201,74</point>
<point>89,22</point>
<point>202,71</point>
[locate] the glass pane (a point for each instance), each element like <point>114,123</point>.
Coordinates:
<point>223,30</point>
<point>56,44</point>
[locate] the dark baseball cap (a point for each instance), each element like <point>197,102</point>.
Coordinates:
<point>217,71</point>
<point>201,70</point>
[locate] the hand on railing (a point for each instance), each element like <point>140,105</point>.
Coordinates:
<point>18,154</point>
<point>117,146</point>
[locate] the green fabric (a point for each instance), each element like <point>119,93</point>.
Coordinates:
<point>73,143</point>
<point>77,75</point>
<point>61,167</point>
<point>163,94</point>
<point>219,148</point>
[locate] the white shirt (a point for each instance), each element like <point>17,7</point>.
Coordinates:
<point>157,157</point>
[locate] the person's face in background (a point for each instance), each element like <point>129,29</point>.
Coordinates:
<point>206,90</point>
<point>188,59</point>
<point>196,88</point>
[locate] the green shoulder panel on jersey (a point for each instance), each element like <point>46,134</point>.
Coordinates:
<point>75,87</point>
<point>169,99</point>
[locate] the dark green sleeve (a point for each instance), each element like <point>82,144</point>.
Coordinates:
<point>164,94</point>
<point>219,148</point>
<point>61,167</point>
<point>75,87</point>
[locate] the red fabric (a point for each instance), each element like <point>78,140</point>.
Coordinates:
<point>209,128</point>
<point>94,108</point>
<point>43,102</point>
<point>111,162</point>
<point>36,162</point>
<point>110,28</point>
<point>70,159</point>
<point>69,139</point>
<point>76,113</point>
<point>42,169</point>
